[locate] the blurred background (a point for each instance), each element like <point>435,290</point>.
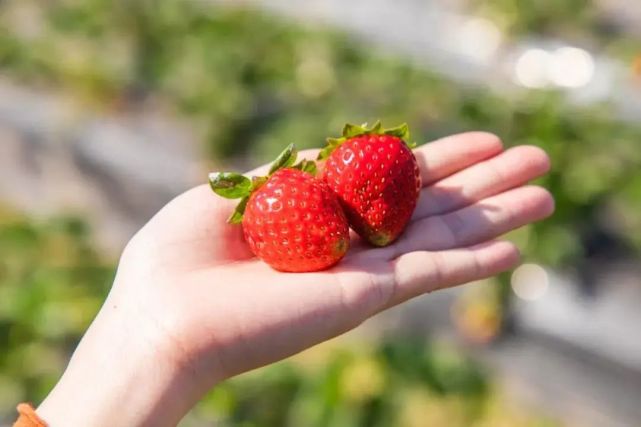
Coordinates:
<point>108,108</point>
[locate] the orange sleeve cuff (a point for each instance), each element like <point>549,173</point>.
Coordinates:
<point>28,417</point>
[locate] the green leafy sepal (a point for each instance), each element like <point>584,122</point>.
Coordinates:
<point>351,131</point>
<point>232,185</point>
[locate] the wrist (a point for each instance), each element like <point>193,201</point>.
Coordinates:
<point>119,375</point>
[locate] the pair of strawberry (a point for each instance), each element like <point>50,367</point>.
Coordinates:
<point>295,221</point>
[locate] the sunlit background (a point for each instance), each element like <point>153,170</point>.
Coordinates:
<point>109,108</point>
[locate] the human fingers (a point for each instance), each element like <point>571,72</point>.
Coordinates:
<point>419,272</point>
<point>448,155</point>
<point>473,224</point>
<point>507,170</point>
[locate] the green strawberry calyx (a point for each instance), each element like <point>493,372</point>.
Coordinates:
<point>231,185</point>
<point>352,131</point>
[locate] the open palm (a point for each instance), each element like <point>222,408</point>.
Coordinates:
<point>226,312</point>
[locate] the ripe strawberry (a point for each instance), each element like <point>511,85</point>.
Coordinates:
<point>290,218</point>
<point>376,177</point>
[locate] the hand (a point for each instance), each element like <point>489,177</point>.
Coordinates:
<point>191,306</point>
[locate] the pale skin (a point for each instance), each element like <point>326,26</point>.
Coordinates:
<point>191,307</point>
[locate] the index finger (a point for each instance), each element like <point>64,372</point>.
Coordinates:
<point>443,157</point>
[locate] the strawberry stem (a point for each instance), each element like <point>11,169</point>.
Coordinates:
<point>284,159</point>
<point>232,185</point>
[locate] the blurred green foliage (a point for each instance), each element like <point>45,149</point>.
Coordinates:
<point>582,22</point>
<point>252,83</point>
<point>52,283</point>
<point>568,18</point>
<point>404,383</point>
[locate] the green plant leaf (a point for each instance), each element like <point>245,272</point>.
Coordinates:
<point>401,131</point>
<point>325,152</point>
<point>332,144</point>
<point>230,185</point>
<point>257,182</point>
<point>350,130</point>
<point>308,166</point>
<point>237,216</point>
<point>284,159</point>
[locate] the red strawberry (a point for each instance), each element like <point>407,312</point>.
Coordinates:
<point>376,177</point>
<point>291,219</point>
